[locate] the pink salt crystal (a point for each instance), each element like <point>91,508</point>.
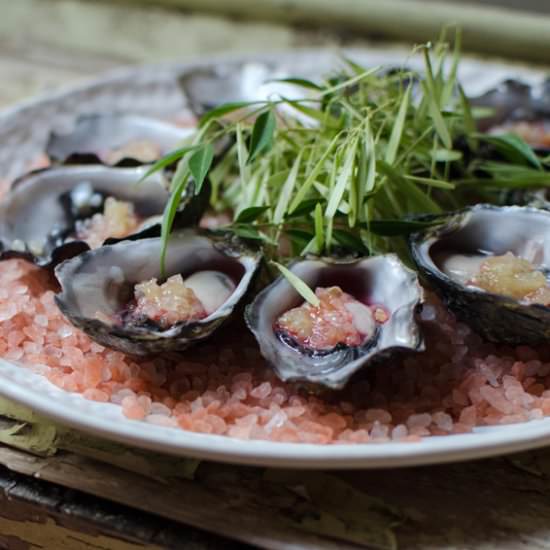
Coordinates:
<point>496,399</point>
<point>419,421</point>
<point>468,416</point>
<point>161,420</point>
<point>15,354</point>
<point>132,409</point>
<point>535,414</point>
<point>95,395</point>
<point>399,432</point>
<point>379,415</point>
<point>443,421</point>
<point>160,409</point>
<point>334,421</point>
<point>261,391</point>
<point>41,320</point>
<point>379,430</point>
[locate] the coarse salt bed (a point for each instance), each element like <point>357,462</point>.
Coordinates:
<point>460,381</point>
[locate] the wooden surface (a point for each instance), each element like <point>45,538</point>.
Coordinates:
<point>59,489</point>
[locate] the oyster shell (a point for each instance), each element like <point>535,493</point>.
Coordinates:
<point>115,139</point>
<point>98,285</point>
<point>518,108</point>
<point>39,214</point>
<point>451,253</point>
<point>381,280</point>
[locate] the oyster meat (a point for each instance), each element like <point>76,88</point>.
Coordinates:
<point>366,309</point>
<point>490,264</point>
<point>117,295</point>
<point>115,139</point>
<point>54,214</point>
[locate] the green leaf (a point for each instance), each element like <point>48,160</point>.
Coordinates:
<point>319,230</point>
<point>397,130</point>
<point>446,155</point>
<point>199,164</point>
<point>179,183</point>
<point>312,176</point>
<point>262,134</point>
<point>514,148</point>
<point>225,109</point>
<point>167,160</point>
<point>251,214</point>
<point>286,191</point>
<point>302,82</point>
<point>342,181</point>
<point>431,182</point>
<point>301,288</point>
<point>304,208</point>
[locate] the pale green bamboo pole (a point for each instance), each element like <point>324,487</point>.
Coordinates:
<point>486,29</point>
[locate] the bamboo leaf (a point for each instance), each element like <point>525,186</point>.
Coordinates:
<point>262,134</point>
<point>286,191</point>
<point>431,182</point>
<point>342,180</point>
<point>167,160</point>
<point>514,148</point>
<point>394,228</point>
<point>312,176</point>
<point>319,231</point>
<point>301,288</point>
<point>302,82</point>
<point>251,214</point>
<point>304,208</point>
<point>397,130</point>
<point>350,241</point>
<point>445,155</point>
<point>199,164</point>
<point>225,109</point>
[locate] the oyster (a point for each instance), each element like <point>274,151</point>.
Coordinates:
<point>112,293</point>
<point>47,216</point>
<point>115,139</point>
<point>490,266</point>
<point>518,108</point>
<point>377,297</point>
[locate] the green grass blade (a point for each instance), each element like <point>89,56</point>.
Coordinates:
<point>300,286</point>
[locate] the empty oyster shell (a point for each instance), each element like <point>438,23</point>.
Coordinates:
<point>115,139</point>
<point>450,255</point>
<point>98,288</point>
<point>38,216</point>
<point>381,280</point>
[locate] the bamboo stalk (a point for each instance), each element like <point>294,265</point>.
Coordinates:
<point>486,29</point>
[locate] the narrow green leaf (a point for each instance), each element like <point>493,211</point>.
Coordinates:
<point>225,109</point>
<point>304,208</point>
<point>251,214</point>
<point>286,191</point>
<point>302,82</point>
<point>168,217</point>
<point>312,176</point>
<point>262,134</point>
<point>319,230</point>
<point>342,180</point>
<point>167,160</point>
<point>431,182</point>
<point>445,155</point>
<point>300,286</point>
<point>513,147</point>
<point>397,130</point>
<point>199,164</point>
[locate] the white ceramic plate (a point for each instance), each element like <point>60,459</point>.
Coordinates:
<point>23,131</point>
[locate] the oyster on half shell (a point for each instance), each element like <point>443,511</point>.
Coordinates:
<point>99,289</point>
<point>490,265</point>
<point>115,139</point>
<point>40,213</point>
<point>381,281</point>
